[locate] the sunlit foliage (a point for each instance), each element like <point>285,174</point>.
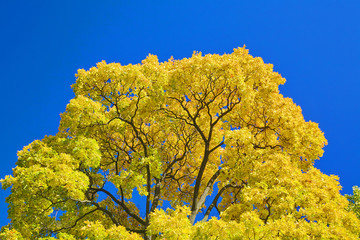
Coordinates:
<point>181,132</point>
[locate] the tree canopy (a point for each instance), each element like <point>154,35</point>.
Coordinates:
<point>190,140</point>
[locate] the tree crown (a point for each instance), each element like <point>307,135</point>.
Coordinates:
<point>204,134</point>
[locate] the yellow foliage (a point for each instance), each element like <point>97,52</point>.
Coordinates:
<point>173,224</point>
<point>170,132</point>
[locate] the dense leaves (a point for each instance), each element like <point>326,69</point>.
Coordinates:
<point>205,134</point>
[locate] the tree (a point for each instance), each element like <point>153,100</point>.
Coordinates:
<point>205,134</point>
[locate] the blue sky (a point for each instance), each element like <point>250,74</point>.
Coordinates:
<point>315,45</point>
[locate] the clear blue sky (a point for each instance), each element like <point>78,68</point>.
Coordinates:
<point>315,45</point>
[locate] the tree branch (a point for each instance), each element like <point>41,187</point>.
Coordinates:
<point>76,221</point>
<point>122,204</point>
<point>214,202</point>
<point>207,189</point>
<point>107,212</point>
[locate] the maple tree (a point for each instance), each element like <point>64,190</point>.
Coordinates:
<point>204,134</point>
